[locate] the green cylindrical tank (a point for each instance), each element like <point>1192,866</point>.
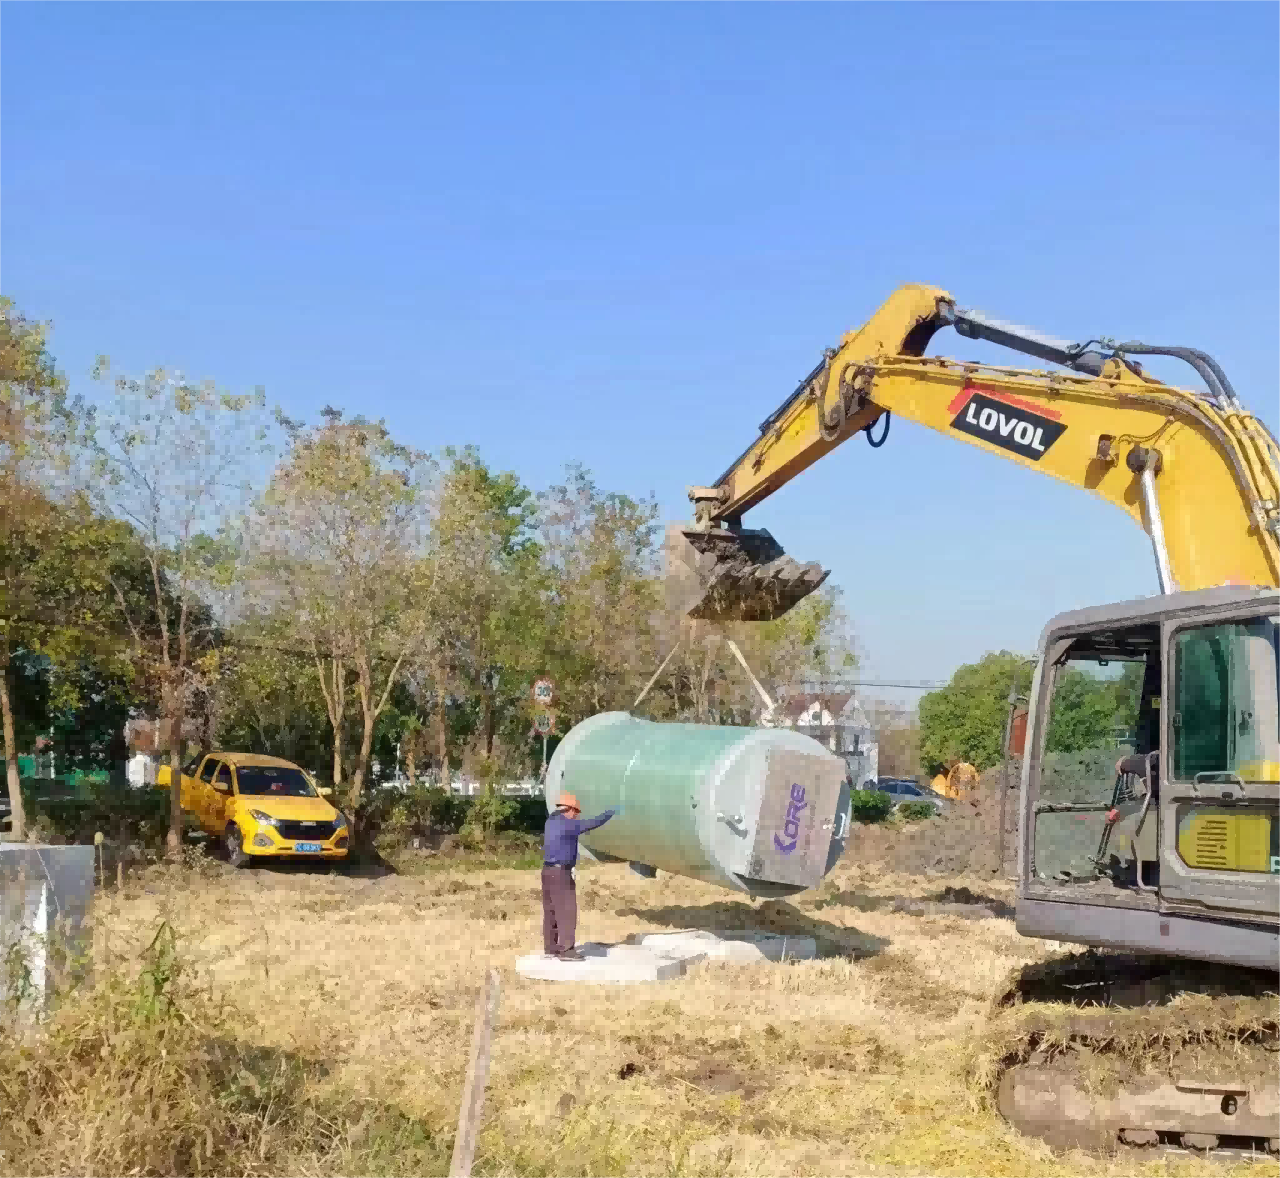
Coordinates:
<point>760,810</point>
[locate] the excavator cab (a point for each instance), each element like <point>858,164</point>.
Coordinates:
<point>1178,822</point>
<point>1150,812</point>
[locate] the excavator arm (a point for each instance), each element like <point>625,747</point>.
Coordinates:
<point>1198,472</point>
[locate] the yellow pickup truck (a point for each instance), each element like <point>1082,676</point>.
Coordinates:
<point>260,807</point>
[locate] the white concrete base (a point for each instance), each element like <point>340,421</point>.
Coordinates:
<point>608,964</point>
<point>735,946</point>
<point>658,957</point>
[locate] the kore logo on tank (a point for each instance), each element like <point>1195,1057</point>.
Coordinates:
<point>791,828</point>
<point>1009,425</point>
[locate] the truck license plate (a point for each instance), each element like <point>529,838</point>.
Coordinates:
<point>306,846</point>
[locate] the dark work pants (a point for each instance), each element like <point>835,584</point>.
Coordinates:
<point>559,909</point>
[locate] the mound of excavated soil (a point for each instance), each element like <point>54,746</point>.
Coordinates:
<point>966,840</point>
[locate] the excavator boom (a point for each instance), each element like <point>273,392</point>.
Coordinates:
<point>1198,472</point>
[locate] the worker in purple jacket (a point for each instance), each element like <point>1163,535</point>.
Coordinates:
<point>559,855</point>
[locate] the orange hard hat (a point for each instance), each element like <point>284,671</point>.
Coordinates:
<point>568,802</point>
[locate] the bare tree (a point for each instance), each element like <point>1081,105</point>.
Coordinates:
<point>177,461</point>
<point>705,683</point>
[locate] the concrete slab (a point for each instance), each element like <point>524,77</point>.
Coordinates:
<point>742,946</point>
<point>658,957</point>
<point>610,965</point>
<point>46,893</point>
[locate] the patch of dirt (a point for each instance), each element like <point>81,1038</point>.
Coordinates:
<point>715,1064</point>
<point>906,988</point>
<point>964,841</point>
<point>718,1079</point>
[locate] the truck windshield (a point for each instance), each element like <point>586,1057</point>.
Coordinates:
<point>273,781</point>
<point>1226,688</point>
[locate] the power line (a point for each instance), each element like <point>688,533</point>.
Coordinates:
<point>911,685</point>
<point>916,685</point>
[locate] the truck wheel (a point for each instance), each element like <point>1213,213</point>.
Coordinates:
<point>234,843</point>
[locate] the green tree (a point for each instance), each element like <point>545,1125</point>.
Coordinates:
<point>32,400</point>
<point>965,720</point>
<point>268,698</point>
<point>1126,693</point>
<point>1083,712</point>
<point>54,570</point>
<point>486,609</point>
<point>340,552</point>
<point>602,602</point>
<point>54,550</point>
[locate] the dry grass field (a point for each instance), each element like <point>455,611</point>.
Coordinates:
<point>320,1024</point>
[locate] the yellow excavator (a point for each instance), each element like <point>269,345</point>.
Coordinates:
<point>1163,858</point>
<point>956,781</point>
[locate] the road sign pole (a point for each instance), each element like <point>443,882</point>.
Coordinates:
<point>544,756</point>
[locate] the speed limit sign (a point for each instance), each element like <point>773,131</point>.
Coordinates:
<point>544,691</point>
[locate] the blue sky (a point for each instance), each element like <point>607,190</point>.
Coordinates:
<point>620,234</point>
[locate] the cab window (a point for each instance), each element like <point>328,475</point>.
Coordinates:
<point>1092,716</point>
<point>207,770</point>
<point>1226,724</point>
<point>222,779</point>
<point>273,781</point>
<point>1103,693</point>
<point>1226,683</point>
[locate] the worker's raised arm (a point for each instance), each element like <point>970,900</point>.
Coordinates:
<point>582,825</point>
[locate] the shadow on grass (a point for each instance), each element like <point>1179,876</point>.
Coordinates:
<point>362,862</point>
<point>948,901</point>
<point>773,916</point>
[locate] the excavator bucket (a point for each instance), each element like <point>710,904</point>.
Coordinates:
<point>733,576</point>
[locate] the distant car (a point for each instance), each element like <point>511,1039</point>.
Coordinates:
<point>904,789</point>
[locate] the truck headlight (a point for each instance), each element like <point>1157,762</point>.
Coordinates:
<point>265,819</point>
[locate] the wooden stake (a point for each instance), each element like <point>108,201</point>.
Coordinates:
<point>764,695</point>
<point>464,1145</point>
<point>661,668</point>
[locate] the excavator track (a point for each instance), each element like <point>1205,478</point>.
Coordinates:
<point>1104,1050</point>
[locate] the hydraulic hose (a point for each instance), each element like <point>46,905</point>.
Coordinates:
<point>1209,369</point>
<point>884,436</point>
